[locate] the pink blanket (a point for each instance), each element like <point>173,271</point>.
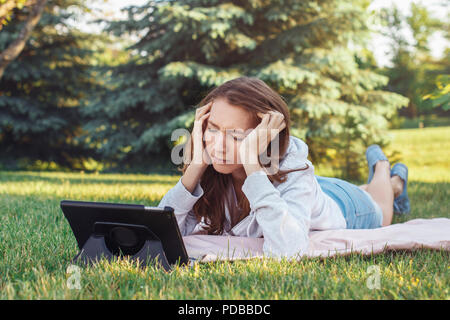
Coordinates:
<point>413,234</point>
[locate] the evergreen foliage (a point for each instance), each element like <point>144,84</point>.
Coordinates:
<point>43,89</point>
<point>306,50</point>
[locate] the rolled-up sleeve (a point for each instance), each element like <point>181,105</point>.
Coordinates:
<point>283,215</point>
<point>182,201</point>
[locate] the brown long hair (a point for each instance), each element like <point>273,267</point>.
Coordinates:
<point>254,95</point>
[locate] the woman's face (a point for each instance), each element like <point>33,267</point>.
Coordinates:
<point>226,127</point>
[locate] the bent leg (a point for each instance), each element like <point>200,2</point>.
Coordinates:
<point>381,190</point>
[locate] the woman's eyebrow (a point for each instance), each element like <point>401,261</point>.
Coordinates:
<point>238,131</point>
<point>213,124</point>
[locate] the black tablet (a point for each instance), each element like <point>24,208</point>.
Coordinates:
<point>84,217</point>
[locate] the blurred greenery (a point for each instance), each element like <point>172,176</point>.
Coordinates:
<point>440,97</point>
<point>109,101</point>
<point>415,73</point>
<point>431,120</point>
<point>6,9</point>
<point>43,90</point>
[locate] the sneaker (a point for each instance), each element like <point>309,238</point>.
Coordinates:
<point>401,203</point>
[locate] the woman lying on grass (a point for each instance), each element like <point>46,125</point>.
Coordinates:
<point>226,188</point>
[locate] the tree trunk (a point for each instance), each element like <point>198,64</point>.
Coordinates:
<point>16,47</point>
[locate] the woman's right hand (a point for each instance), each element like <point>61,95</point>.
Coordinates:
<point>200,156</point>
<point>200,159</point>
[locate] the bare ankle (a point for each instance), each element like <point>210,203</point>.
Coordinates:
<point>397,185</point>
<point>382,166</point>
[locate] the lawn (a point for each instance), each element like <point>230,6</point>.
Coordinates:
<point>36,243</point>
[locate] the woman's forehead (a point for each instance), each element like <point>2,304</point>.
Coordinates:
<point>226,116</point>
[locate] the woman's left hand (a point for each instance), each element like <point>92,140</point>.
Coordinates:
<point>259,138</point>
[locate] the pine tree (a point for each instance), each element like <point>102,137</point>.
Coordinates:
<point>306,50</point>
<point>43,89</point>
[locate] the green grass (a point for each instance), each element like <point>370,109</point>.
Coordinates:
<point>36,243</point>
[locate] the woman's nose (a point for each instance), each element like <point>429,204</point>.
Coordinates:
<point>220,145</point>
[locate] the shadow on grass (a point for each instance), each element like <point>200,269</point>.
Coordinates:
<point>387,255</point>
<point>88,179</point>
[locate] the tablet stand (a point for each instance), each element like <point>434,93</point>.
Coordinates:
<point>119,239</point>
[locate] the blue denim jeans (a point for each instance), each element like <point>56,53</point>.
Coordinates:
<point>359,209</point>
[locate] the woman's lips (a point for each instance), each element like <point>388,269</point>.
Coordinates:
<point>215,159</point>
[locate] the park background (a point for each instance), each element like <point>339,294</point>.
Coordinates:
<point>90,92</point>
